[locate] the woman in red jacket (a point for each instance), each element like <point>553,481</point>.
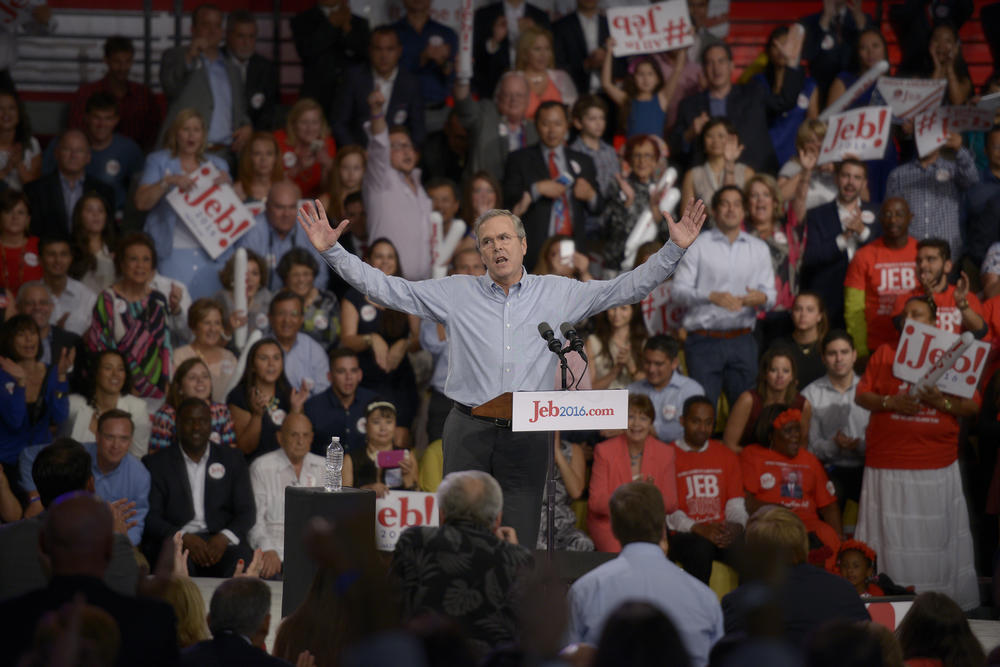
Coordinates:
<point>634,455</point>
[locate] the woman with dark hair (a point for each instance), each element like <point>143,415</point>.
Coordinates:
<point>367,468</point>
<point>943,60</point>
<point>93,238</point>
<point>809,324</point>
<point>634,455</point>
<point>482,193</point>
<point>783,127</point>
<point>382,338</point>
<point>206,324</point>
<point>553,261</point>
<point>19,259</point>
<point>781,471</point>
<point>180,254</point>
<point>20,153</point>
<point>632,195</point>
<point>259,168</point>
<point>345,178</point>
<point>131,317</point>
<point>261,400</point>
<point>777,384</point>
<point>258,296</point>
<point>638,634</point>
<point>936,632</point>
<point>109,388</point>
<point>192,379</point>
<point>615,347</point>
<point>36,398</point>
<point>321,310</point>
<point>722,146</point>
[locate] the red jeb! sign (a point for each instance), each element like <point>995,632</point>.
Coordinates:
<point>861,133</point>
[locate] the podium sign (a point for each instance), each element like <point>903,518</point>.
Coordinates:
<point>569,410</point>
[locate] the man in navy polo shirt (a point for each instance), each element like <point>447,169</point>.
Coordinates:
<point>340,410</point>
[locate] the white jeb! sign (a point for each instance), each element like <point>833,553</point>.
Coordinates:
<point>570,410</point>
<point>920,347</point>
<point>862,133</point>
<point>399,510</point>
<point>213,213</point>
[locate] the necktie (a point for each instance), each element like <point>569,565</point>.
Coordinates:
<point>560,207</point>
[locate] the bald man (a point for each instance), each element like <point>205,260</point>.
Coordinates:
<point>77,543</point>
<point>291,465</point>
<point>274,233</point>
<point>53,196</point>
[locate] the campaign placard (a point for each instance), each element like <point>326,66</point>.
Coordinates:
<point>399,510</point>
<point>933,127</point>
<point>570,410</point>
<point>664,26</point>
<point>911,97</point>
<point>862,133</point>
<point>921,346</point>
<point>213,213</point>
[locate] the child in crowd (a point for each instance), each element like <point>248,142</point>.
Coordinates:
<point>856,563</point>
<point>645,97</point>
<point>590,119</point>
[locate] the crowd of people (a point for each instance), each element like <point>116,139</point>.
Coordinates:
<point>748,298</point>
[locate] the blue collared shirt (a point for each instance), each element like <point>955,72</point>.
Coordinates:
<point>642,573</point>
<point>493,341</point>
<point>438,348</point>
<point>307,361</point>
<point>129,480</point>
<point>71,193</point>
<point>669,403</point>
<point>329,417</point>
<point>266,242</point>
<point>220,126</point>
<point>435,85</point>
<point>713,264</point>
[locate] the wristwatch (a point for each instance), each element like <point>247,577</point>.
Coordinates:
<point>947,405</point>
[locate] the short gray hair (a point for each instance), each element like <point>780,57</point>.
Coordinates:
<point>470,494</point>
<point>499,213</point>
<point>22,290</point>
<point>240,606</point>
<point>510,74</point>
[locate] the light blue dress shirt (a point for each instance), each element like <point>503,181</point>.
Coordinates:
<point>307,360</point>
<point>713,264</point>
<point>642,573</point>
<point>220,125</point>
<point>493,341</point>
<point>439,353</point>
<point>668,403</point>
<point>129,480</point>
<point>266,242</point>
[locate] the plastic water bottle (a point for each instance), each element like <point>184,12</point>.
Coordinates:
<point>334,465</point>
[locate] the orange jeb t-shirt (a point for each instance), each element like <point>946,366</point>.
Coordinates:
<point>883,274</point>
<point>706,481</point>
<point>799,483</point>
<point>949,317</point>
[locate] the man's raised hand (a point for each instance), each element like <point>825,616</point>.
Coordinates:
<point>686,230</point>
<point>312,218</point>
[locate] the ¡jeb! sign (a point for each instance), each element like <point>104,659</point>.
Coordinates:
<point>920,347</point>
<point>399,510</point>
<point>570,410</point>
<point>862,133</point>
<point>213,213</point>
<point>664,26</point>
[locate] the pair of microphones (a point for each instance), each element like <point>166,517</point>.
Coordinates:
<point>569,333</point>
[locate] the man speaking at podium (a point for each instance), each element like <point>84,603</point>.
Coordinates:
<point>491,323</point>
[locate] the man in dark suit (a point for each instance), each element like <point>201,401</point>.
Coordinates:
<point>35,300</point>
<point>834,231</point>
<point>77,541</point>
<point>60,468</point>
<point>746,105</point>
<point>556,184</point>
<point>495,30</point>
<point>831,40</point>
<point>239,617</point>
<point>53,196</point>
<point>470,504</point>
<point>260,76</point>
<point>328,39</point>
<point>401,90</point>
<point>579,46</point>
<point>215,520</point>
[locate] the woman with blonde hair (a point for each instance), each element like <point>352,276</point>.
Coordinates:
<point>306,147</point>
<point>258,169</point>
<point>184,596</point>
<point>536,60</point>
<point>179,254</point>
<point>820,182</point>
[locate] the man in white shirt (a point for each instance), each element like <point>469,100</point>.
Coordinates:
<point>73,302</point>
<point>725,278</point>
<point>837,427</point>
<point>292,465</point>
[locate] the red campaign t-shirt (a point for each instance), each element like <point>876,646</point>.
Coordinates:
<point>949,317</point>
<point>925,441</point>
<point>883,274</point>
<point>706,481</point>
<point>991,314</point>
<point>799,483</point>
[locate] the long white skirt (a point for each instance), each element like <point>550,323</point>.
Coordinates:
<point>918,524</point>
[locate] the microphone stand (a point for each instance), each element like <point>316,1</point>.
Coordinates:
<point>550,480</point>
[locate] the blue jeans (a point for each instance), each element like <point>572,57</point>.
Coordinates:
<point>722,364</point>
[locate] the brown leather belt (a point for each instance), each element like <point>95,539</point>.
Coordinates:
<point>465,409</point>
<point>725,335</point>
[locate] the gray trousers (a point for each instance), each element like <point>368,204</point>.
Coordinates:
<point>516,460</point>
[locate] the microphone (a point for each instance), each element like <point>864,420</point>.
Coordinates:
<point>573,338</point>
<point>545,331</point>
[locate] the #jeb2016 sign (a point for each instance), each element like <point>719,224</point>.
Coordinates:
<point>398,511</point>
<point>664,26</point>
<point>862,133</point>
<point>911,97</point>
<point>213,213</point>
<point>933,127</point>
<point>920,347</point>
